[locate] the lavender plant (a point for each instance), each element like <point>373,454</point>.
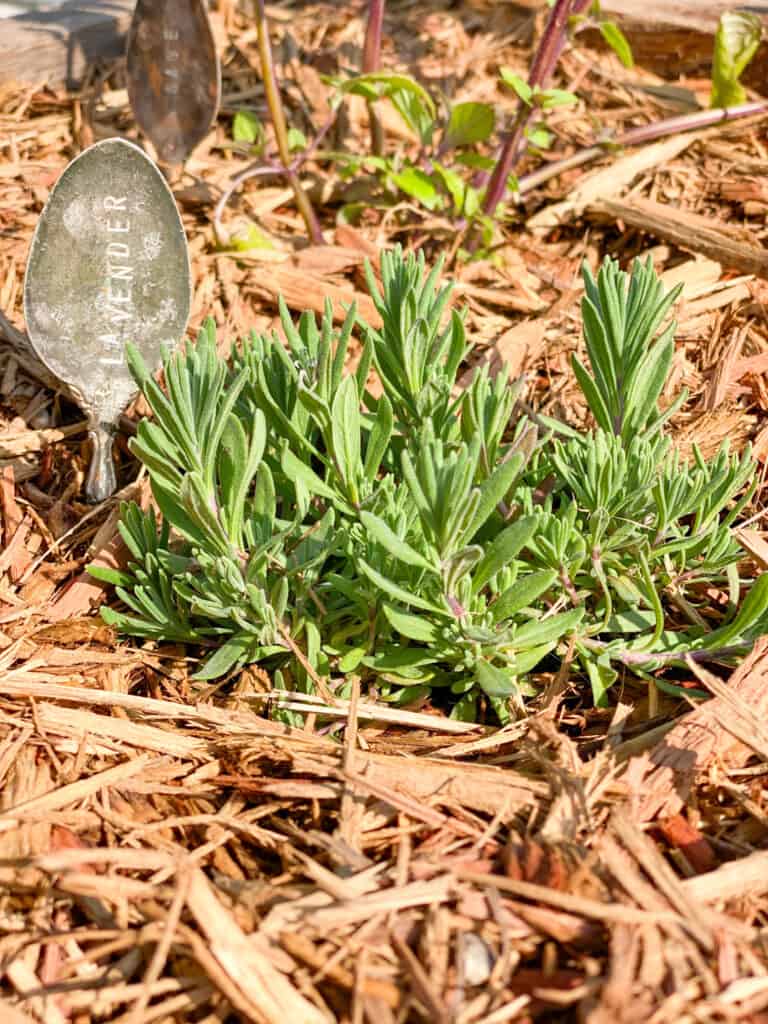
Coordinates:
<point>435,543</point>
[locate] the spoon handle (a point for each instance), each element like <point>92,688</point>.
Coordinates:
<point>101,481</point>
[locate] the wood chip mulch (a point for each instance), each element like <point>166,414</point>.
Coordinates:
<point>170,851</point>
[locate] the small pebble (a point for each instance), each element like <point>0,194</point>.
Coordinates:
<point>476,959</point>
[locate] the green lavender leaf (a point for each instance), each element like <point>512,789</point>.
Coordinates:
<point>389,540</point>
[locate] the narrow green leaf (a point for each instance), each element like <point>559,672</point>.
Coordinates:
<point>233,653</point>
<point>505,546</point>
<point>602,677</point>
<point>644,390</point>
<point>169,503</point>
<point>232,461</point>
<point>522,593</point>
<point>345,430</point>
<point>594,399</point>
<point>393,544</point>
<point>494,490</point>
<point>397,592</point>
<point>351,659</point>
<point>296,470</point>
<point>393,658</point>
<point>753,608</point>
<point>618,42</point>
<point>545,631</point>
<point>526,661</point>
<point>495,681</point>
<point>114,576</point>
<point>631,620</point>
<point>414,627</point>
<point>379,438</point>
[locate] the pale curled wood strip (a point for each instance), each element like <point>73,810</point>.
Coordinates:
<point>78,724</point>
<point>425,779</point>
<point>25,682</point>
<point>24,980</point>
<point>125,859</point>
<point>693,15</point>
<point>579,905</point>
<point>269,992</point>
<point>611,180</point>
<point>74,791</point>
<point>12,1015</point>
<point>23,441</point>
<point>385,901</point>
<point>309,704</point>
<point>690,231</point>
<point>737,879</point>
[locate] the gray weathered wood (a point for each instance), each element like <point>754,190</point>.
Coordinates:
<point>57,46</point>
<point>696,15</point>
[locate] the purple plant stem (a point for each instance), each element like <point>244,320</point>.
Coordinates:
<point>371,61</point>
<point>544,62</point>
<point>553,41</point>
<point>372,48</point>
<point>644,133</point>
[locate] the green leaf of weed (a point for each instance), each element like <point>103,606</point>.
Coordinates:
<point>736,42</point>
<point>618,42</point>
<point>469,123</point>
<point>419,185</point>
<point>518,84</point>
<point>246,127</point>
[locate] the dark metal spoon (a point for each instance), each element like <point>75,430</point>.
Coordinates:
<point>174,78</point>
<point>108,264</point>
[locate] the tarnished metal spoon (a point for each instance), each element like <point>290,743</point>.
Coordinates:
<point>174,77</point>
<point>108,264</point>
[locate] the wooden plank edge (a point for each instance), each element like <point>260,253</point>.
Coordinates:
<point>57,46</point>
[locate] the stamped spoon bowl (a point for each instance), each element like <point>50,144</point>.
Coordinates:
<point>108,264</point>
<point>174,77</point>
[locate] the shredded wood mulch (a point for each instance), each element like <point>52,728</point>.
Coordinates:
<point>169,850</point>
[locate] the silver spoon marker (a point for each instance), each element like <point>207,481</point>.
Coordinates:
<point>108,264</point>
<point>174,77</point>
